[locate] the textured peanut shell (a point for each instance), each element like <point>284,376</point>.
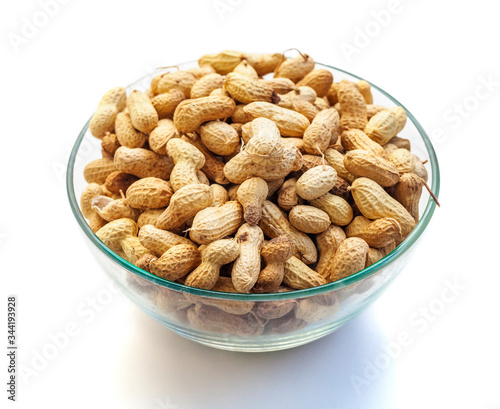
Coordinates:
<point>332,94</point>
<point>98,170</point>
<point>133,249</point>
<point>374,203</point>
<point>373,256</point>
<point>219,137</point>
<point>295,68</point>
<point>166,103</point>
<point>103,120</point>
<point>316,182</point>
<point>113,233</point>
<point>142,113</point>
<point>380,232</point>
<point>339,211</point>
<point>307,109</point>
<point>119,181</point>
<point>191,113</point>
<point>205,85</point>
<point>91,190</point>
<point>214,223</point>
<point>110,209</point>
<point>310,311</point>
<point>365,90</point>
<point>309,219</point>
<point>187,159</point>
<point>244,68</point>
<point>401,118</point>
<point>318,136</point>
<point>178,80</point>
<point>159,137</point>
<point>403,160</point>
<point>246,90</point>
<point>264,63</point>
<point>319,80</point>
<point>287,195</point>
<point>176,262</point>
<point>349,258</point>
<point>310,161</point>
<point>143,163</point>
<point>200,72</point>
<point>290,123</point>
<point>264,145</point>
<point>372,110</point>
<point>382,127</point>
<point>149,217</point>
<point>299,276</point>
<point>364,163</point>
<point>336,160</point>
<point>306,94</point>
<point>251,194</point>
<point>357,139</point>
<point>279,85</point>
<point>219,194</point>
<point>110,143</point>
<point>408,192</point>
<point>353,105</point>
<point>357,226</point>
<point>149,193</point>
<point>328,242</point>
<point>223,62</point>
<point>402,143</point>
<point>246,267</point>
<point>126,134</point>
<point>159,241</point>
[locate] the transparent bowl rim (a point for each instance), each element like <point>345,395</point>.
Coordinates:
<point>374,268</point>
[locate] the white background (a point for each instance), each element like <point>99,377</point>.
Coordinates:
<point>430,55</point>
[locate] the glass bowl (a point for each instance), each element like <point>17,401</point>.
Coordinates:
<point>254,322</point>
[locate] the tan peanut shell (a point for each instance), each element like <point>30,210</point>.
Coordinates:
<point>353,105</point>
<point>299,276</point>
<point>295,68</point>
<point>363,163</point>
<point>306,94</point>
<point>219,137</point>
<point>98,170</point>
<point>110,143</point>
<point>245,90</point>
<point>357,139</point>
<point>103,120</point>
<point>215,255</point>
<point>319,80</point>
<point>316,182</point>
<point>149,217</point>
<point>373,256</point>
<point>214,223</point>
<point>273,216</point>
<point>239,115</point>
<point>191,113</point>
<point>158,241</point>
<point>328,242</point>
<point>112,209</point>
<point>290,123</point>
<point>159,137</point>
<point>133,250</point>
<point>251,194</point>
<point>187,159</point>
<point>382,127</point>
<point>177,80</point>
<point>400,142</point>
<point>403,160</point>
<point>143,163</point>
<point>357,225</point>
<point>223,62</point>
<point>336,160</point>
<point>246,267</point>
<point>264,144</point>
<point>372,110</point>
<point>119,181</point>
<point>339,211</point>
<point>374,203</point>
<point>142,113</point>
<point>149,193</point>
<point>279,85</point>
<point>420,169</point>
<point>91,190</point>
<point>287,196</point>
<point>176,262</point>
<point>166,103</point>
<point>310,311</point>
<point>206,84</point>
<point>365,90</point>
<point>401,117</point>
<point>126,134</point>
<point>113,233</point>
<point>380,232</point>
<point>332,94</point>
<point>264,63</point>
<point>349,258</point>
<point>184,204</point>
<point>96,222</point>
<point>309,219</point>
<point>318,136</point>
<point>307,109</point>
<point>201,71</point>
<point>244,68</point>
<point>219,194</point>
<point>408,192</point>
<point>322,103</point>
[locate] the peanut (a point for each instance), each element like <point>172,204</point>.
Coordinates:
<point>176,262</point>
<point>316,182</point>
<point>304,94</point>
<point>336,160</point>
<point>264,63</point>
<point>159,137</point>
<point>353,105</point>
<point>206,84</point>
<point>373,256</point>
<point>365,90</point>
<point>319,80</point>
<point>380,232</point>
<point>318,136</point>
<point>110,105</point>
<point>119,181</point>
<point>350,258</point>
<point>382,127</point>
<point>219,194</point>
<point>126,134</point>
<point>110,143</point>
<point>363,163</point>
<point>187,159</point>
<point>403,160</point>
<point>159,241</point>
<point>339,211</point>
<point>279,85</point>
<point>246,90</point>
<point>219,137</point>
<point>143,163</point>
<point>149,193</point>
<point>251,194</point>
<point>142,112</point>
<point>307,109</point>
<point>98,170</point>
<point>165,104</point>
<point>357,139</point>
<point>223,62</point>
<point>299,276</point>
<point>408,192</point>
<point>246,268</point>
<point>295,68</point>
<point>309,219</point>
<point>328,242</point>
<point>110,209</point>
<point>287,196</point>
<point>177,80</point>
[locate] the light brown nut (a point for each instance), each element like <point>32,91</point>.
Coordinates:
<point>98,170</point>
<point>126,134</point>
<point>96,222</point>
<point>273,186</point>
<point>143,163</point>
<point>233,192</point>
<point>316,182</point>
<point>363,163</point>
<point>400,143</point>
<point>279,85</point>
<point>408,192</point>
<point>275,253</point>
<point>200,72</point>
<point>143,263</point>
<point>382,127</point>
<point>341,189</point>
<point>159,137</point>
<point>239,115</point>
<point>149,193</point>
<point>246,268</point>
<point>299,276</point>
<point>264,63</point>
<point>336,160</point>
<point>401,117</point>
<point>219,137</point>
<point>306,94</point>
<point>287,196</point>
<point>311,161</point>
<point>103,120</point>
<point>109,143</point>
<point>373,256</point>
<point>244,68</point>
<point>92,190</point>
<point>389,248</point>
<point>357,225</point>
<point>176,262</point>
<point>403,160</point>
<point>296,142</point>
<point>318,136</point>
<point>319,80</point>
<point>332,94</point>
<point>322,103</point>
<point>215,255</point>
<point>214,167</point>
<point>264,144</point>
<point>191,113</point>
<point>179,80</point>
<point>251,194</point>
<point>149,217</point>
<point>273,216</point>
<point>133,250</point>
<point>365,90</point>
<point>357,139</point>
<point>115,232</point>
<point>307,109</point>
<point>353,105</point>
<point>349,258</point>
<point>420,169</point>
<point>142,113</point>
<point>380,232</point>
<point>219,194</point>
<point>309,219</point>
<point>295,68</point>
<point>119,181</point>
<point>290,123</point>
<point>158,241</point>
<point>223,62</point>
<point>206,84</point>
<point>113,209</point>
<point>184,204</point>
<point>339,211</point>
<point>310,311</point>
<point>272,310</point>
<point>328,242</point>
<point>389,148</point>
<point>214,223</point>
<point>188,160</point>
<point>372,110</point>
<point>211,319</point>
<point>166,103</point>
<point>374,203</point>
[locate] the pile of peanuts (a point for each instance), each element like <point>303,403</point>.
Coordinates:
<point>220,179</point>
